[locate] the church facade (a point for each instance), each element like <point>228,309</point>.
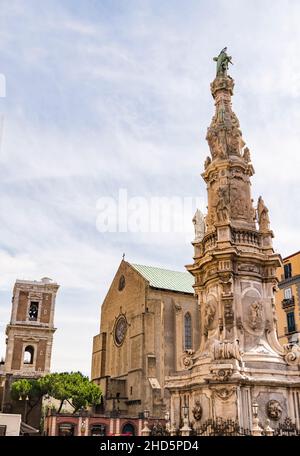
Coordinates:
<point>149,329</point>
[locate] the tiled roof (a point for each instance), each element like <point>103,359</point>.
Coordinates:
<point>166,279</point>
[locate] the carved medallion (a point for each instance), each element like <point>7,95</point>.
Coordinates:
<point>187,361</point>
<point>221,375</point>
<point>274,410</point>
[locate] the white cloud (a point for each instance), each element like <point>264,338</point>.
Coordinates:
<point>105,98</point>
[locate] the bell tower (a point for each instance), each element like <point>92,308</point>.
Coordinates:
<point>31,328</point>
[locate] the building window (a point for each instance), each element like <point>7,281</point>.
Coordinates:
<point>288,293</point>
<point>66,429</point>
<point>122,283</point>
<point>2,430</point>
<point>98,429</point>
<point>291,322</point>
<point>287,271</point>
<point>33,311</point>
<point>187,331</point>
<point>128,429</point>
<point>28,354</point>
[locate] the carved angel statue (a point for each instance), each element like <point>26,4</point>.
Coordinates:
<point>246,155</point>
<point>262,215</point>
<point>199,225</point>
<point>207,162</point>
<point>222,62</point>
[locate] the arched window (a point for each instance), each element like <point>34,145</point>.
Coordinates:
<point>28,354</point>
<point>187,331</point>
<point>128,429</point>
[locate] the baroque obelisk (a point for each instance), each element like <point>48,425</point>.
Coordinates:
<point>239,360</point>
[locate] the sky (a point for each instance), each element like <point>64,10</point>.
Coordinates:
<point>108,95</point>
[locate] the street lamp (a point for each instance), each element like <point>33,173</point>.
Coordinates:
<point>168,424</point>
<point>185,430</point>
<point>25,406</point>
<point>185,410</point>
<point>256,429</point>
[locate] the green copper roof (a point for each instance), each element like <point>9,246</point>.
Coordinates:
<point>165,279</point>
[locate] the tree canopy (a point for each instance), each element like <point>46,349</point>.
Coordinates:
<point>73,387</point>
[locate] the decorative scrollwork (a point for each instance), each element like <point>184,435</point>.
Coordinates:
<point>292,354</point>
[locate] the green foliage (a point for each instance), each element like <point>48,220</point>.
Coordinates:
<point>72,387</point>
<point>21,388</point>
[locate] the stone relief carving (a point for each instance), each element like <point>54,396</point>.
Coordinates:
<point>224,136</point>
<point>221,375</point>
<point>197,411</point>
<point>255,315</point>
<point>177,306</point>
<point>274,410</point>
<point>239,205</point>
<point>248,267</point>
<point>222,205</point>
<point>199,225</point>
<point>216,142</point>
<point>187,362</point>
<point>226,281</point>
<point>235,141</point>
<point>209,314</point>
<point>292,354</point>
<point>224,393</point>
<point>226,350</point>
<point>228,313</point>
<point>263,216</point>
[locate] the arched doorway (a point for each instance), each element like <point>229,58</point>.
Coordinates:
<point>128,428</point>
